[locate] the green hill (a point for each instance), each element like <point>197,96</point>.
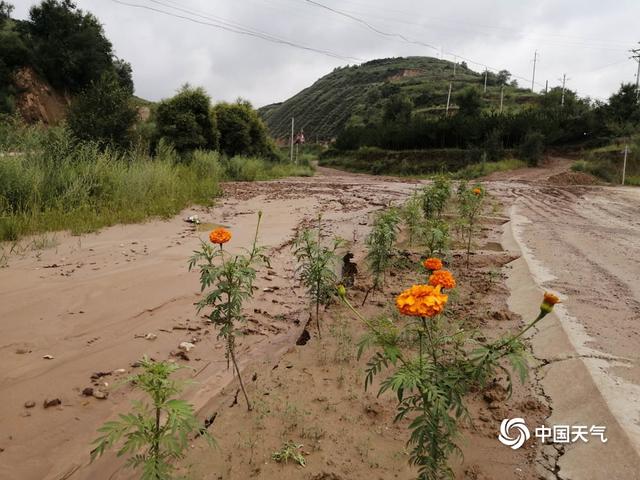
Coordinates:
<point>357,94</point>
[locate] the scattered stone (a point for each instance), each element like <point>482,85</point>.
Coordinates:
<point>53,402</point>
<point>186,346</point>
<point>100,395</point>
<point>48,357</point>
<point>120,370</point>
<point>182,354</point>
<point>29,404</point>
<point>98,375</point>
<point>87,392</point>
<point>268,290</point>
<point>23,351</point>
<point>150,336</point>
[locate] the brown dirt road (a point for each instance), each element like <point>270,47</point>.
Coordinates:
<point>88,302</point>
<point>583,242</point>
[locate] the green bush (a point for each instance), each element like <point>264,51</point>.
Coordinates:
<point>186,121</point>
<point>532,148</point>
<point>104,113</point>
<point>242,132</point>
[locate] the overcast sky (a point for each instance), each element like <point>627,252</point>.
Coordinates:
<point>586,39</point>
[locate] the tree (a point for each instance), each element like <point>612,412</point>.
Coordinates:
<point>242,131</point>
<point>69,45</point>
<point>13,53</point>
<point>103,112</point>
<point>186,121</point>
<point>532,148</point>
<point>398,109</point>
<point>125,74</point>
<point>623,106</point>
<point>5,11</point>
<point>503,77</point>
<point>469,101</point>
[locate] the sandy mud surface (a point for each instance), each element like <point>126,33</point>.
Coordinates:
<point>81,313</point>
<point>583,242</point>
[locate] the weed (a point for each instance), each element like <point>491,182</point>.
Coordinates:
<point>154,434</point>
<point>381,247</point>
<point>433,364</point>
<point>435,197</point>
<point>317,266</point>
<point>289,451</point>
<point>231,279</point>
<point>470,201</point>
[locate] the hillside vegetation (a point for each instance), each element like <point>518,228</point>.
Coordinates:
<point>356,94</point>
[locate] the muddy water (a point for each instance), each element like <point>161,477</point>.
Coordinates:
<point>89,301</point>
<point>584,242</point>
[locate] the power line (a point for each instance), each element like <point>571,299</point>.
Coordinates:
<point>371,27</point>
<point>512,31</point>
<point>234,29</point>
<point>402,37</point>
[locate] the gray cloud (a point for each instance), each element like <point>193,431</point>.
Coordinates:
<point>588,40</point>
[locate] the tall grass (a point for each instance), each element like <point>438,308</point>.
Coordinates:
<point>481,169</point>
<point>49,182</point>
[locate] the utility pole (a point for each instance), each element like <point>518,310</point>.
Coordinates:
<point>501,98</point>
<point>564,81</point>
<point>546,86</point>
<point>291,153</point>
<point>624,163</point>
<point>485,79</point>
<point>455,63</point>
<point>449,98</point>
<point>636,57</point>
<point>533,77</point>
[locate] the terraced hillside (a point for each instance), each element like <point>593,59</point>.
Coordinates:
<point>358,93</point>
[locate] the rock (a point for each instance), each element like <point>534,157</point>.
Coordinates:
<point>53,402</point>
<point>23,351</point>
<point>183,355</point>
<point>120,370</point>
<point>150,336</point>
<point>98,375</point>
<point>29,404</point>
<point>48,357</point>
<point>100,395</point>
<point>87,392</point>
<point>186,346</point>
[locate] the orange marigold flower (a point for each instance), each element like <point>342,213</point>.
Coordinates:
<point>432,264</point>
<point>421,301</point>
<point>477,191</point>
<point>548,302</point>
<point>442,278</point>
<point>220,236</point>
<point>550,298</point>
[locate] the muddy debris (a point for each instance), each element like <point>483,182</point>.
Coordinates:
<point>100,395</point>
<point>53,402</point>
<point>186,346</point>
<point>87,391</point>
